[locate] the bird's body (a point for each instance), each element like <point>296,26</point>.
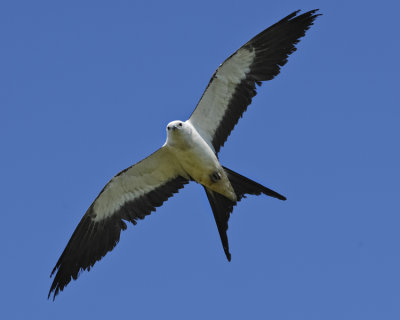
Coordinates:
<point>190,153</point>
<point>196,158</point>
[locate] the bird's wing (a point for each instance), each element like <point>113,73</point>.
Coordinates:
<point>233,84</point>
<point>131,195</point>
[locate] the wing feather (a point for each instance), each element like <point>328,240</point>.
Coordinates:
<point>233,85</point>
<point>131,195</point>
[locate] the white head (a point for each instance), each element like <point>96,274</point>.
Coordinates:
<point>178,132</point>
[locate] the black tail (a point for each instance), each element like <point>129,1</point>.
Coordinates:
<point>243,185</point>
<point>222,206</point>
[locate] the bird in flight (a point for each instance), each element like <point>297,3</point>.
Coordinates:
<point>190,153</point>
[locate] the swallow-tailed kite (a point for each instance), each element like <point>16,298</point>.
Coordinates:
<point>189,154</point>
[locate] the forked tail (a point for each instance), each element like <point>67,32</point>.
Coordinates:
<point>222,206</point>
<point>243,186</point>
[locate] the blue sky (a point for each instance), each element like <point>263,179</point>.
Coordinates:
<point>87,88</point>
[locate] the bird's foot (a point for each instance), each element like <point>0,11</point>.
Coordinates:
<point>215,176</point>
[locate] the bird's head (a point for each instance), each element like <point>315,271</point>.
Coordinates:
<point>178,132</point>
<point>175,126</point>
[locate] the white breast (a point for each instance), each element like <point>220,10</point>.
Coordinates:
<point>199,160</point>
<point>196,157</point>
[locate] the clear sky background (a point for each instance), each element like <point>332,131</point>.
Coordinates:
<point>86,90</point>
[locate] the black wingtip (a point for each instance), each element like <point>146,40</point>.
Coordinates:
<point>50,291</point>
<point>309,16</point>
<point>295,14</point>
<point>53,291</point>
<point>314,11</point>
<point>48,296</point>
<point>313,14</point>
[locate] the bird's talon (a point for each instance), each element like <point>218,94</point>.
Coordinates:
<point>215,176</point>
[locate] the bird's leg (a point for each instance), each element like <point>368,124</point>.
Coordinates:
<point>215,176</point>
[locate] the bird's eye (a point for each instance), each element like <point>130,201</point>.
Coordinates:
<point>168,128</point>
<point>180,124</point>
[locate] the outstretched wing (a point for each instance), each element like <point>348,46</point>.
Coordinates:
<point>233,84</point>
<point>131,195</point>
